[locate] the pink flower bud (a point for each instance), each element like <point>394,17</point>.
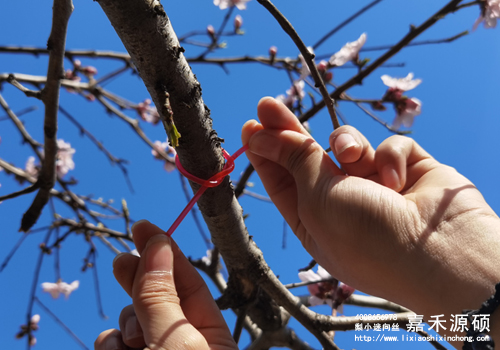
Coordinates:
<point>238,21</point>
<point>90,97</point>
<point>322,66</point>
<point>89,71</point>
<point>273,50</point>
<point>77,63</point>
<point>378,106</point>
<point>327,77</point>
<point>211,31</point>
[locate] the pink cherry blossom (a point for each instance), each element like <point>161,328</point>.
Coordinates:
<point>320,292</point>
<point>304,68</point>
<point>89,71</point>
<point>58,288</point>
<point>70,75</point>
<point>293,94</point>
<point>490,13</point>
<point>147,112</point>
<point>273,50</point>
<point>224,4</point>
<point>30,167</point>
<point>406,110</point>
<point>402,84</point>
<point>329,291</point>
<point>349,52</point>
<point>64,162</point>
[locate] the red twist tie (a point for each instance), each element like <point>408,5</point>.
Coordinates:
<point>212,182</point>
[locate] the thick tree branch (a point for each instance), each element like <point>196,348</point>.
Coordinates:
<point>50,96</point>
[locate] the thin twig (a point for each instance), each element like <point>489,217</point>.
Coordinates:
<point>34,285</point>
<point>134,124</point>
<point>29,93</point>
<point>20,126</point>
<point>288,28</point>
<point>242,182</point>
<point>114,160</point>
<point>96,280</point>
<point>13,251</point>
<point>21,112</point>
<point>358,78</point>
<point>61,323</point>
<point>419,43</point>
<point>345,22</point>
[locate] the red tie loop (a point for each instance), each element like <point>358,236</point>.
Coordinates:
<point>212,182</point>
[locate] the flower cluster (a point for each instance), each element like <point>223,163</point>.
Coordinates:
<point>490,13</point>
<point>25,330</point>
<point>169,150</point>
<point>328,290</point>
<point>64,161</point>
<point>72,74</point>
<point>406,108</point>
<point>60,287</point>
<point>224,4</point>
<point>147,112</point>
<point>349,52</point>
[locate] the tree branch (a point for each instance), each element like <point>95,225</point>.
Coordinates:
<point>358,78</point>
<point>146,32</point>
<point>288,28</point>
<point>50,96</point>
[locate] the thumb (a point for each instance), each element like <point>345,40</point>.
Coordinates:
<point>284,141</point>
<point>156,302</point>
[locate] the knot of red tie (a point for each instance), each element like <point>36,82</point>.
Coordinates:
<point>212,182</point>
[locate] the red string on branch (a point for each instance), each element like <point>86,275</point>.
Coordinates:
<point>212,182</point>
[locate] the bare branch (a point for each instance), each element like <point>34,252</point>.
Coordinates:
<point>288,28</point>
<point>419,43</point>
<point>30,93</point>
<point>61,323</point>
<point>345,22</point>
<point>19,125</point>
<point>62,10</point>
<point>358,78</point>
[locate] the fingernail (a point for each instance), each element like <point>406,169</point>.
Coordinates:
<point>132,329</point>
<point>118,257</point>
<point>112,342</point>
<point>390,177</point>
<point>137,223</point>
<point>158,254</point>
<point>343,142</point>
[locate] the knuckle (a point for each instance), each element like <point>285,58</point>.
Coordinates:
<point>155,292</point>
<point>299,158</point>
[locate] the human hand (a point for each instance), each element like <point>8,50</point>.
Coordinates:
<point>401,225</point>
<point>172,306</point>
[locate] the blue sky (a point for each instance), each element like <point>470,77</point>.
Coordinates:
<point>459,126</point>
